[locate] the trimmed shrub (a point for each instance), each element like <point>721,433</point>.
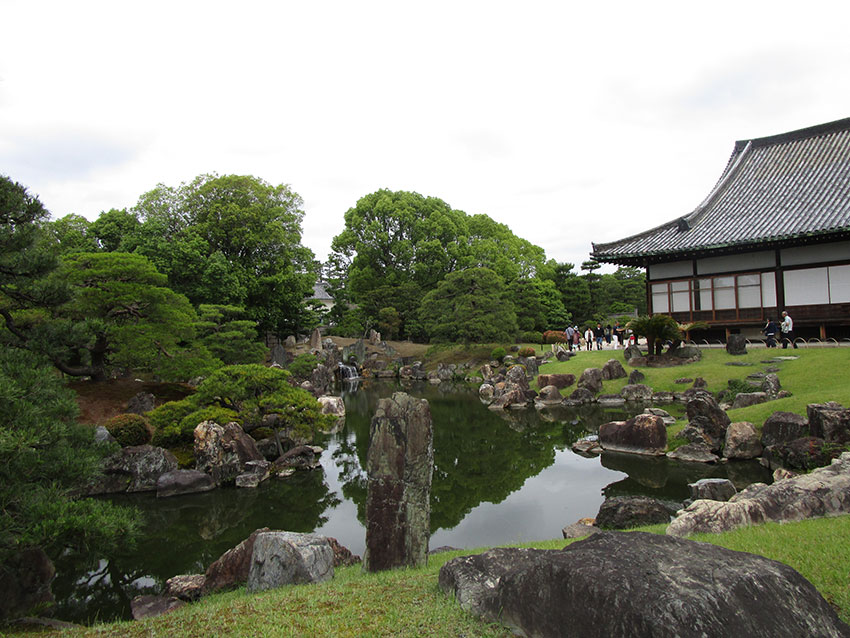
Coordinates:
<point>526,352</point>
<point>554,336</point>
<point>129,429</point>
<point>531,337</point>
<point>498,353</point>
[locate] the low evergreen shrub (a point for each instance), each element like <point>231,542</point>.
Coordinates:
<point>129,429</point>
<point>498,353</point>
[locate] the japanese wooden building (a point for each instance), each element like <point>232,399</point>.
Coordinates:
<point>773,234</point>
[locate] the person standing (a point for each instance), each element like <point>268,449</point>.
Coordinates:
<point>769,331</point>
<point>588,338</point>
<point>569,334</point>
<point>787,328</point>
<point>576,337</point>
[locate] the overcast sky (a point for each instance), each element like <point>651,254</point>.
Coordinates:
<point>569,123</point>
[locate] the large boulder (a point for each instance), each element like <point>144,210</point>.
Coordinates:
<point>134,469</point>
<point>188,587</point>
<point>642,434</point>
<point>530,364</point>
<point>301,457</point>
<point>591,380</point>
<point>770,385</point>
<point>636,376</point>
<point>560,381</point>
<point>179,482</point>
<point>147,606</point>
<point>223,451</point>
<point>580,396</point>
<point>783,427</point>
<point>736,344</point>
<point>713,489</point>
<point>805,453</point>
<point>625,512</point>
<point>399,465</point>
<point>334,406</point>
<point>742,441</point>
<point>829,421</point>
<point>746,399</point>
<point>708,417</point>
<point>141,403</point>
<point>613,369</point>
<point>636,392</point>
<point>549,395</point>
<point>697,452</point>
<point>622,585</point>
<point>25,579</point>
<point>231,568</point>
<point>632,352</point>
<point>287,558</point>
<point>823,492</point>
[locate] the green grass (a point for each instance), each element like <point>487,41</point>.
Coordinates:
<point>408,602</point>
<point>819,375</point>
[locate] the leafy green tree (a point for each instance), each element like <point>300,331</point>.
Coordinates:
<point>469,306</point>
<point>231,239</point>
<point>493,245</point>
<point>45,461</point>
<point>116,230</point>
<point>73,234</point>
<point>398,246</point>
<point>228,336</point>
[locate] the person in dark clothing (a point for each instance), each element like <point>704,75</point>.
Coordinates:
<point>769,331</point>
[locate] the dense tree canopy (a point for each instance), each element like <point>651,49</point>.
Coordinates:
<point>398,246</point>
<point>45,460</point>
<point>234,240</point>
<point>469,306</point>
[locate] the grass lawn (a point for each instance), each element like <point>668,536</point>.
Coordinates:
<point>408,603</point>
<point>819,375</point>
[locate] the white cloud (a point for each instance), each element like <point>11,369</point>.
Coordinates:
<point>570,124</point>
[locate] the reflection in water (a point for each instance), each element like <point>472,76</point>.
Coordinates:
<point>499,477</point>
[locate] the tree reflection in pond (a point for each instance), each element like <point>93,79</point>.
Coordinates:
<point>499,477</point>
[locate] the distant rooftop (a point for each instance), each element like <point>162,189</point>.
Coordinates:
<point>320,293</point>
<point>775,191</point>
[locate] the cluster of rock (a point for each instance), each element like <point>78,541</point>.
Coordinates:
<point>499,391</point>
<point>224,454</point>
<point>616,584</point>
<point>823,492</point>
<point>265,560</point>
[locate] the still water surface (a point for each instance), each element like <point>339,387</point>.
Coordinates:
<point>499,477</point>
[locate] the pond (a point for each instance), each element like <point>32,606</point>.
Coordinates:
<point>499,478</point>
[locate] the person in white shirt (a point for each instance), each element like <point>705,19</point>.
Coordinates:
<point>588,337</point>
<point>787,328</point>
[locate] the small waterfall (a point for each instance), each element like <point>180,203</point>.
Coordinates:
<point>348,376</point>
<point>348,372</point>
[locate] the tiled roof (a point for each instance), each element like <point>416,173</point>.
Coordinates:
<point>778,190</point>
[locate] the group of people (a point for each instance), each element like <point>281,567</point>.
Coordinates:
<point>608,335</point>
<point>786,328</point>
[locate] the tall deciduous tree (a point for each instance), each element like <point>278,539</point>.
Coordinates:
<point>398,246</point>
<point>231,239</point>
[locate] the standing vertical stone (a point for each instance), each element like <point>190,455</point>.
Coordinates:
<point>400,463</point>
<point>316,340</point>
